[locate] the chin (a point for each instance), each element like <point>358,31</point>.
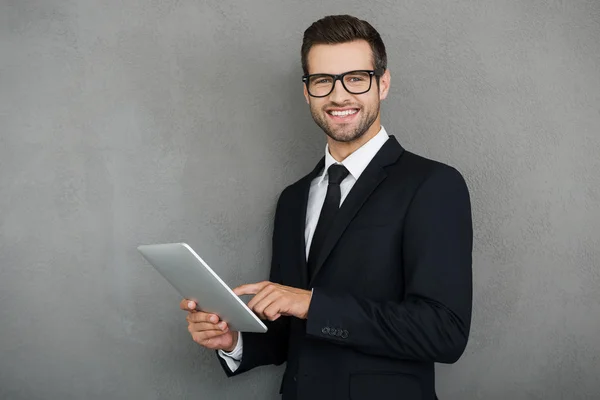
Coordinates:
<point>345,136</point>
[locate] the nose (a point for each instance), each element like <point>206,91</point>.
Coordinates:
<point>339,94</point>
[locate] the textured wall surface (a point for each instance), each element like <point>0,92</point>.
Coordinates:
<point>146,121</point>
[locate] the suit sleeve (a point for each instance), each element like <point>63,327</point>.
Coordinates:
<point>270,347</point>
<point>432,322</point>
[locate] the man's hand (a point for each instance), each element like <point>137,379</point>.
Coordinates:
<point>206,330</point>
<point>272,300</point>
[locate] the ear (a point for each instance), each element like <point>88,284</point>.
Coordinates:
<point>384,84</point>
<point>306,94</point>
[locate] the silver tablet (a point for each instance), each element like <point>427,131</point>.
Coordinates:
<point>179,264</point>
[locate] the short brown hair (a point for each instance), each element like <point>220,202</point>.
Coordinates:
<point>335,29</point>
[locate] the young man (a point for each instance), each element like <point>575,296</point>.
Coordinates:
<point>370,281</point>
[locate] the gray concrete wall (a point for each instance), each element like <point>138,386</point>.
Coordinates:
<point>136,122</point>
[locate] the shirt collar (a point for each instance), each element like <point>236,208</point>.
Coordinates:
<point>356,162</point>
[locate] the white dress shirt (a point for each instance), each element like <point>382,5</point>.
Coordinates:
<point>355,163</point>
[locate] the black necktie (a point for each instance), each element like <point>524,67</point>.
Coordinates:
<point>336,174</point>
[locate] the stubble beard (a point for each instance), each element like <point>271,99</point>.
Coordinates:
<point>345,133</point>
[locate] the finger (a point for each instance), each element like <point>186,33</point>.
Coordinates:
<point>204,336</point>
<point>273,311</point>
<point>262,305</point>
<point>202,326</point>
<point>207,326</point>
<point>223,326</point>
<point>250,288</point>
<point>187,305</point>
<point>218,342</point>
<point>202,317</point>
<point>266,291</point>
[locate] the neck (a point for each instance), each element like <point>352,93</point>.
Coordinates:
<point>341,150</point>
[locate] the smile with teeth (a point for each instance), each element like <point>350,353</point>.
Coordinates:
<point>342,113</point>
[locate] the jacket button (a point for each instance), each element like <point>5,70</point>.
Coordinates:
<point>344,334</point>
<point>325,330</point>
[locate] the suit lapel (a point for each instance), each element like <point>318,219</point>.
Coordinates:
<point>300,223</point>
<point>372,176</point>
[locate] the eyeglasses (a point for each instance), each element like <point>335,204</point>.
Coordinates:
<point>355,82</point>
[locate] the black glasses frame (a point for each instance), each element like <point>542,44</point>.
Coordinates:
<point>377,73</point>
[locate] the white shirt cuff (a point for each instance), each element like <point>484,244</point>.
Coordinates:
<point>234,357</point>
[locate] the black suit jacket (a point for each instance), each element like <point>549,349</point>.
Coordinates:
<point>392,289</point>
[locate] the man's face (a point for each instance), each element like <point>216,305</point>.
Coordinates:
<point>358,112</point>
